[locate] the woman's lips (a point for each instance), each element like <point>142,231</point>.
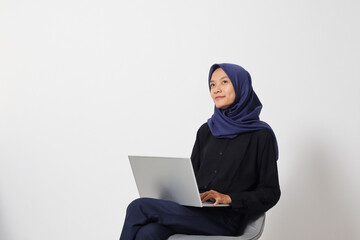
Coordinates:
<point>219,97</point>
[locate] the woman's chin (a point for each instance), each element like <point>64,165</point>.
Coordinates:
<point>223,107</point>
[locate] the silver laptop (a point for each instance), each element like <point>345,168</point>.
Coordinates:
<point>167,178</point>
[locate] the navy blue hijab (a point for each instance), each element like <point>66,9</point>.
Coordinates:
<point>243,114</point>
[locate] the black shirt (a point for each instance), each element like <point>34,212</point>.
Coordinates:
<point>244,168</point>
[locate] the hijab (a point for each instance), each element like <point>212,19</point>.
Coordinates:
<point>243,114</point>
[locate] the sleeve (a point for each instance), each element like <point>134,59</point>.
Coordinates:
<point>267,192</point>
<point>195,155</point>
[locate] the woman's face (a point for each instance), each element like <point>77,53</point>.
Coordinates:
<point>221,89</point>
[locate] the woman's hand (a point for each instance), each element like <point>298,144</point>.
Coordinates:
<point>215,197</point>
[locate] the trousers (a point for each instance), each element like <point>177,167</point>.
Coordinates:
<point>155,219</point>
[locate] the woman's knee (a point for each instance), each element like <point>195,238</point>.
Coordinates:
<point>139,203</point>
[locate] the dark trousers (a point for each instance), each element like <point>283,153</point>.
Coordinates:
<point>151,219</point>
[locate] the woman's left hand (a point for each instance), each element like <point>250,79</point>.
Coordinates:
<point>215,196</point>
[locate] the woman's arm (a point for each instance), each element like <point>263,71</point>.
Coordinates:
<point>267,193</point>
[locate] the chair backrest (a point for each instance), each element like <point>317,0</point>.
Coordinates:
<point>253,231</point>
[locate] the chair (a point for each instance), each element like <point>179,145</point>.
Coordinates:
<point>252,231</point>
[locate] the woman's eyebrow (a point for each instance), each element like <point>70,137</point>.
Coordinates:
<point>219,79</point>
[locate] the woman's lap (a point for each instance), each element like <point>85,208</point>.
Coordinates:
<point>175,218</point>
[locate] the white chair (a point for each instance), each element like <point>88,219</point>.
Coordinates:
<point>252,231</point>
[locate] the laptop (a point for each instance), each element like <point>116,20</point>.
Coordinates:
<point>167,178</point>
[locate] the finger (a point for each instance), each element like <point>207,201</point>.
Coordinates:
<point>204,194</point>
<point>207,197</point>
<point>204,199</point>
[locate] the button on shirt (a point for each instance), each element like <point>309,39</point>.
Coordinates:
<point>243,167</point>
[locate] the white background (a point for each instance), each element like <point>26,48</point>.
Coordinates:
<point>85,83</point>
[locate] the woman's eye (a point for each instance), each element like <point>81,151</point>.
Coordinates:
<point>225,81</point>
<point>212,85</point>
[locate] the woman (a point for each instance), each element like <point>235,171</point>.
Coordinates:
<point>234,160</point>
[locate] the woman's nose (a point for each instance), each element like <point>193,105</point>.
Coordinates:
<point>217,89</point>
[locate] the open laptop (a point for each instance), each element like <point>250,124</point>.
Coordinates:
<point>167,178</point>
